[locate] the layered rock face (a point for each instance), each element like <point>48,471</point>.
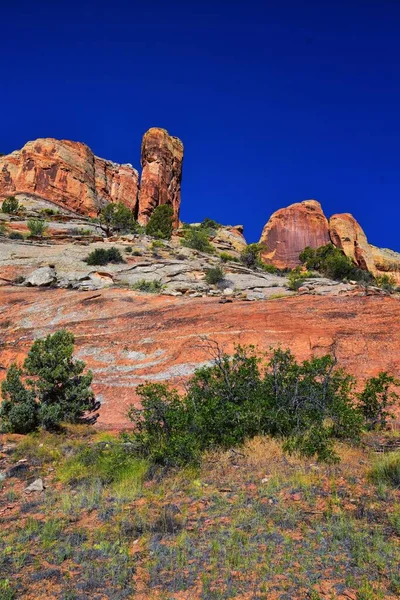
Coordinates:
<point>162,156</point>
<point>69,175</point>
<point>290,230</point>
<point>167,342</point>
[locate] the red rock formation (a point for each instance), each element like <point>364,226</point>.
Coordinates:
<point>162,157</point>
<point>69,175</point>
<point>128,339</point>
<point>348,235</point>
<point>290,230</point>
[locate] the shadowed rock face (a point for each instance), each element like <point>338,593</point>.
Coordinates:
<point>129,339</point>
<point>162,157</point>
<point>69,175</point>
<point>290,230</point>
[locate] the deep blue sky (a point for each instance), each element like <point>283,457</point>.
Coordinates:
<point>275,101</point>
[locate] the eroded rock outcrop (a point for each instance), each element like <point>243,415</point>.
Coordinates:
<point>290,230</point>
<point>69,175</point>
<point>346,234</point>
<point>162,156</point>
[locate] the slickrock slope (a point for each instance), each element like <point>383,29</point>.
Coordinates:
<point>290,230</point>
<point>128,338</point>
<point>386,261</point>
<point>162,157</point>
<point>67,174</point>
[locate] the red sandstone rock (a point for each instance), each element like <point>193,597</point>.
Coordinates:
<point>348,235</point>
<point>162,157</point>
<point>290,230</point>
<point>69,175</point>
<point>129,339</point>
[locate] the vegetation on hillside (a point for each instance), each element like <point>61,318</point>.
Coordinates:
<point>195,501</point>
<point>50,389</point>
<point>104,256</point>
<point>10,205</point>
<point>118,218</point>
<point>161,222</point>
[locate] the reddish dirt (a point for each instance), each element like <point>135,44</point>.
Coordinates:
<point>127,338</point>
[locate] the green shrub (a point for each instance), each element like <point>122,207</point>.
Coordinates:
<point>250,256</point>
<point>333,263</point>
<point>197,239</point>
<point>129,249</point>
<point>376,400</point>
<point>16,235</point>
<point>387,470</point>
<point>214,275</point>
<point>49,212</point>
<point>308,405</point>
<point>268,268</point>
<point>56,389</point>
<point>150,287</point>
<point>19,411</point>
<point>210,226</point>
<point>10,206</point>
<point>156,245</point>
<point>103,256</point>
<point>116,217</point>
<point>297,278</point>
<point>161,222</point>
<point>386,282</point>
<point>37,227</point>
<point>225,257</point>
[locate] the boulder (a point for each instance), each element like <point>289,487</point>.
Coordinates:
<point>162,157</point>
<point>42,277</point>
<point>290,230</point>
<point>69,175</point>
<point>35,486</point>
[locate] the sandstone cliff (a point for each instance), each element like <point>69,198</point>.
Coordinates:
<point>69,175</point>
<point>162,157</point>
<point>290,230</point>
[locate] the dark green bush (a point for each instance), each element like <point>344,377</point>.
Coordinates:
<point>250,256</point>
<point>377,399</point>
<point>226,257</point>
<point>16,235</point>
<point>161,222</point>
<point>19,409</point>
<point>333,263</point>
<point>308,405</point>
<point>197,239</point>
<point>56,389</point>
<point>150,287</point>
<point>116,217</point>
<point>214,275</point>
<point>103,256</point>
<point>10,206</point>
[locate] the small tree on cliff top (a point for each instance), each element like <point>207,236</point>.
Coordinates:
<point>161,223</point>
